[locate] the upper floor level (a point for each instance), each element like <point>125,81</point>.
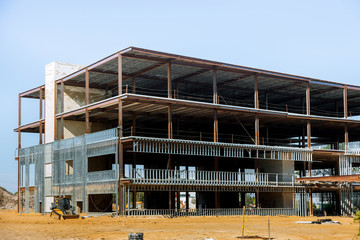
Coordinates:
<point>148,81</point>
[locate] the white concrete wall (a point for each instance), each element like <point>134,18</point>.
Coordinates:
<point>53,71</point>
<point>74,97</point>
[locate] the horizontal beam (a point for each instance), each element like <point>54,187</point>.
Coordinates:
<point>339,178</point>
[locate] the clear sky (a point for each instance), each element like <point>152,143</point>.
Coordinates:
<point>319,39</point>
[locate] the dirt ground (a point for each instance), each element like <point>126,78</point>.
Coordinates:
<point>37,226</point>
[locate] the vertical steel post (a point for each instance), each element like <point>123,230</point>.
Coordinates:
<point>310,203</point>
<point>120,134</point>
<point>40,115</point>
<point>308,131</point>
<point>346,136</point>
<point>55,111</point>
<point>133,85</point>
<point>308,98</point>
<point>170,131</point>
<point>87,127</point>
<point>216,134</point>
<point>169,87</point>
<point>257,130</point>
<point>256,91</point>
<point>62,109</point>
<point>345,102</point>
<point>19,147</point>
<point>215,88</point>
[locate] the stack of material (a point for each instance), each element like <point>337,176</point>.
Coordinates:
<point>319,221</point>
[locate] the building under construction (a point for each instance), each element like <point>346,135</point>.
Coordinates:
<point>143,132</point>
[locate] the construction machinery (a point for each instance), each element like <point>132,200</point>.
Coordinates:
<point>62,208</point>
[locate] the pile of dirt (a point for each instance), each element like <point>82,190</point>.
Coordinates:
<point>7,199</point>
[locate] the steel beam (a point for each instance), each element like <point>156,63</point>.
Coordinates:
<point>120,159</point>
<point>19,146</point>
<point>308,98</point>
<point>256,91</point>
<point>257,130</point>
<point>133,85</point>
<point>345,102</point>
<point>169,83</point>
<point>346,136</point>
<point>308,131</point>
<point>87,125</point>
<point>40,116</point>
<point>215,88</point>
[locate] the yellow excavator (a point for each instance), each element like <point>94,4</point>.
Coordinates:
<point>62,208</point>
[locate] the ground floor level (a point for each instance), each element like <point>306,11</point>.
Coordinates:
<point>38,226</point>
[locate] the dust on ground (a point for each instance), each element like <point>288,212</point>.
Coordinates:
<point>38,226</point>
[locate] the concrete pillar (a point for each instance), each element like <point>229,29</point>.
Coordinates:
<point>53,72</point>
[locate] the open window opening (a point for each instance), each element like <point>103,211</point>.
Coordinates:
<point>101,163</point>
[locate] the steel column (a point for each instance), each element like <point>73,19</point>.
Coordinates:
<point>308,98</point>
<point>257,130</point>
<point>133,85</point>
<point>346,136</point>
<point>345,102</point>
<point>40,116</point>
<point>120,134</point>
<point>215,88</point>
<point>216,127</point>
<point>87,125</point>
<point>256,91</point>
<point>169,86</point>
<point>308,131</point>
<point>19,146</point>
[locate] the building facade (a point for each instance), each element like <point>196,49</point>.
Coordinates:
<point>143,132</point>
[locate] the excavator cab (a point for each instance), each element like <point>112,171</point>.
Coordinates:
<point>62,208</point>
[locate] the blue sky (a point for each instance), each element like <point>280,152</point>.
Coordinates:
<point>319,39</point>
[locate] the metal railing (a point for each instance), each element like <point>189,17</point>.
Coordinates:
<point>209,178</point>
<point>211,212</point>
<point>201,148</point>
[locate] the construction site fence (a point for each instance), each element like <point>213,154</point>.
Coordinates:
<point>211,212</point>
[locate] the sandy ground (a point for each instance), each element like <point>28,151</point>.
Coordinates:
<point>37,226</point>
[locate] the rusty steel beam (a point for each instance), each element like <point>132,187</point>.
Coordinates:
<point>133,75</point>
<point>346,136</point>
<point>120,134</point>
<point>55,109</point>
<point>308,99</point>
<point>338,178</point>
<point>308,133</point>
<point>40,116</point>
<point>215,89</point>
<point>257,130</point>
<point>256,91</point>
<point>33,90</point>
<point>170,122</point>
<point>87,124</point>
<point>169,83</point>
<point>216,126</point>
<point>19,146</point>
<point>345,102</point>
<point>133,85</point>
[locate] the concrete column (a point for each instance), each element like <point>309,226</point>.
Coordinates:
<point>53,72</point>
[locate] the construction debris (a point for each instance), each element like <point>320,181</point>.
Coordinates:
<point>319,221</point>
<point>7,199</point>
